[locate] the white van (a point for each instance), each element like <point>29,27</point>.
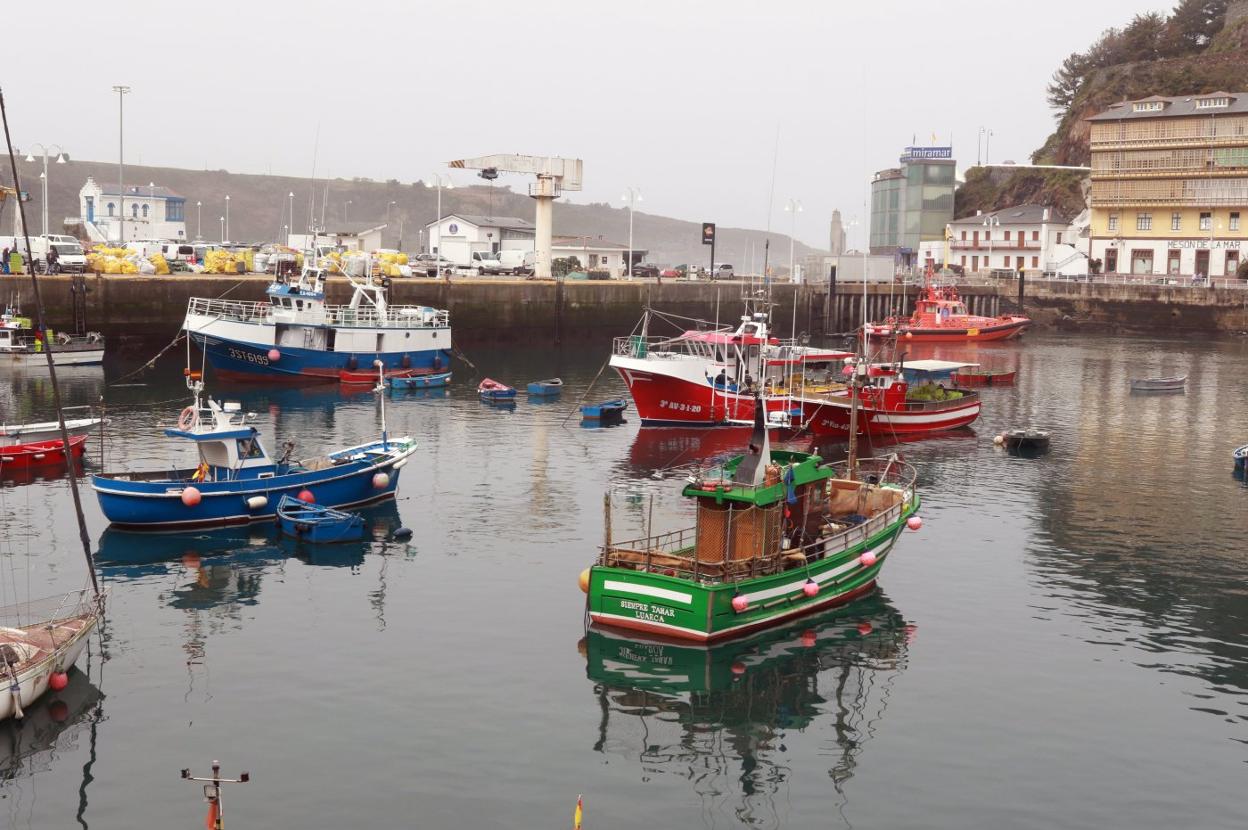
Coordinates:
<point>70,256</point>
<point>517,262</point>
<point>485,262</point>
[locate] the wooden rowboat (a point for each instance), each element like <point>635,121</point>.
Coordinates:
<point>605,411</point>
<point>546,388</point>
<point>492,390</point>
<point>1173,383</point>
<point>317,523</point>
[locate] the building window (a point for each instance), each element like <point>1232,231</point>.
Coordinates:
<point>1210,103</point>
<point>1206,221</point>
<point>1148,106</point>
<point>1035,236</point>
<point>1176,221</point>
<point>1143,221</point>
<point>1035,262</point>
<point>1007,236</point>
<point>964,261</point>
<point>111,207</point>
<point>134,211</point>
<point>1235,221</point>
<point>963,236</point>
<point>145,211</point>
<point>1059,237</point>
<point>1113,221</point>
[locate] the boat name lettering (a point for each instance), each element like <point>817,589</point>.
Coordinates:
<point>646,611</point>
<point>654,656</point>
<point>682,407</point>
<point>249,357</point>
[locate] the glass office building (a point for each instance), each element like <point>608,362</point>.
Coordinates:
<point>912,203</point>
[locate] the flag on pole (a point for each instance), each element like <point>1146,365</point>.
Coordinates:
<point>577,813</point>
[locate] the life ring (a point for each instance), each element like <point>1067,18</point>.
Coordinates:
<point>188,419</point>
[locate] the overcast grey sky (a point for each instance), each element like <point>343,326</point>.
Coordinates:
<point>680,99</point>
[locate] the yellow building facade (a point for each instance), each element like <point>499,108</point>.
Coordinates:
<point>1169,192</point>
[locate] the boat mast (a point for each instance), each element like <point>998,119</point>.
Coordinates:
<point>47,351</point>
<point>380,389</point>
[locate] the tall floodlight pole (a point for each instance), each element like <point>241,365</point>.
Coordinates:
<point>291,196</point>
<point>121,160</point>
<point>227,218</point>
<point>793,206</point>
<point>222,230</point>
<point>631,196</point>
<point>60,159</point>
<point>437,181</point>
<point>199,220</point>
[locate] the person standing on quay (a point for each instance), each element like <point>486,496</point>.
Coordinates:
<point>4,262</point>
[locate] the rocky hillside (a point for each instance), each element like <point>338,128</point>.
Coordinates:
<point>258,205</point>
<point>1202,46</point>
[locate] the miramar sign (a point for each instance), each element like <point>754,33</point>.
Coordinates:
<point>919,153</point>
<point>1203,243</point>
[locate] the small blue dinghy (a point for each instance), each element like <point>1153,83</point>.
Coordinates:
<point>430,381</point>
<point>546,388</point>
<point>605,411</point>
<point>316,523</point>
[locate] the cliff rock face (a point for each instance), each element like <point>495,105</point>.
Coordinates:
<point>1202,47</point>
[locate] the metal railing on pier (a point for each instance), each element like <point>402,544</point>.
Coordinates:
<point>401,317</point>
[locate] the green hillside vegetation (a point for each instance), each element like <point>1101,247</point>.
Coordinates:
<point>1189,52</point>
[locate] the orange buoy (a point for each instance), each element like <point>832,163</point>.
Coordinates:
<point>191,496</point>
<point>306,496</point>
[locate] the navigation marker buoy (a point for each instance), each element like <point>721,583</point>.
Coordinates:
<point>191,496</point>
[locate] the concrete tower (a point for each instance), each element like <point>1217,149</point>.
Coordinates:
<point>836,235</point>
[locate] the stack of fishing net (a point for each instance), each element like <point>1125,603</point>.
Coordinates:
<point>220,262</point>
<point>388,263</point>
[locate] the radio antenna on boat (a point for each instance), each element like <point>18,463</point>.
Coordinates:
<point>212,793</point>
<point>47,351</point>
<point>380,389</point>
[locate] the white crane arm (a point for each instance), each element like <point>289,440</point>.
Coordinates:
<point>567,171</point>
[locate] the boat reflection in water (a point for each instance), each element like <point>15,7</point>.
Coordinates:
<point>51,726</point>
<point>717,715</point>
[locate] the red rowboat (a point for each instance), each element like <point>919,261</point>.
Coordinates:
<point>349,377</point>
<point>40,453</point>
<point>984,378</point>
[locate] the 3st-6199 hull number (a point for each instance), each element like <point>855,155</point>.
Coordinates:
<point>248,357</point>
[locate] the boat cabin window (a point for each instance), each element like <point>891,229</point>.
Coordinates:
<point>249,448</point>
<point>749,329</point>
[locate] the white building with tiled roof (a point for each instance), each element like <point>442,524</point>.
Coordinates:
<point>458,235</point>
<point>151,211</point>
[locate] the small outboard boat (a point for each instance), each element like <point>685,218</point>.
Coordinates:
<point>1174,383</point>
<point>428,381</point>
<point>1241,458</point>
<point>1026,439</point>
<point>316,523</point>
<point>546,388</point>
<point>606,411</point>
<point>491,390</point>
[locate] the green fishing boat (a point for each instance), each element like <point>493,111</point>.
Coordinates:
<point>778,534</point>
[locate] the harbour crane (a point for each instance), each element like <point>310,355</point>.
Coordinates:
<point>554,175</point>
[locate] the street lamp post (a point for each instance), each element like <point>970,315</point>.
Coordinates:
<point>438,180</point>
<point>990,223</point>
<point>291,196</point>
<point>199,220</point>
<point>793,206</point>
<point>346,212</point>
<point>60,159</point>
<point>226,218</point>
<point>632,196</point>
<point>222,230</point>
<point>121,163</point>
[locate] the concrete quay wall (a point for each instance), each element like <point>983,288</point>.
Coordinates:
<point>127,307</point>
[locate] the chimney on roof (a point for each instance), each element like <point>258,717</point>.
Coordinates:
<point>979,213</point>
<point>1045,215</point>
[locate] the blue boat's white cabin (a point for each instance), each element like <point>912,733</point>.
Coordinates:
<point>229,449</point>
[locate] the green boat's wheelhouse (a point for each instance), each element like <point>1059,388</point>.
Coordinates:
<point>777,534</point>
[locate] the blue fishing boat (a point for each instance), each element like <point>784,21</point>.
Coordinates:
<point>435,380</point>
<point>491,391</point>
<point>546,388</point>
<point>317,523</point>
<point>605,411</point>
<point>236,481</point>
<point>296,335</point>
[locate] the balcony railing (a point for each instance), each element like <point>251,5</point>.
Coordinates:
<point>999,246</point>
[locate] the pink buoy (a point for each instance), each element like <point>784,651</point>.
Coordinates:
<point>738,667</point>
<point>191,496</point>
<point>306,497</point>
<point>868,559</point>
<point>864,628</point>
<point>381,481</point>
<point>809,639</point>
<point>740,603</point>
<point>59,680</point>
<point>274,355</point>
<point>810,588</point>
<point>914,522</point>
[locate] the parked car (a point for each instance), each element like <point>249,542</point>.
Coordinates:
<point>723,271</point>
<point>671,273</point>
<point>485,262</point>
<point>645,270</point>
<point>428,264</point>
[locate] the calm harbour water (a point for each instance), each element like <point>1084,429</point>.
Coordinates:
<point>1064,643</point>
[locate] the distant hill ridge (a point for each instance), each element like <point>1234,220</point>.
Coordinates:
<point>259,204</point>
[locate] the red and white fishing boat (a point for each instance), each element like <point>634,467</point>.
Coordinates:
<point>940,316</point>
<point>709,378</point>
